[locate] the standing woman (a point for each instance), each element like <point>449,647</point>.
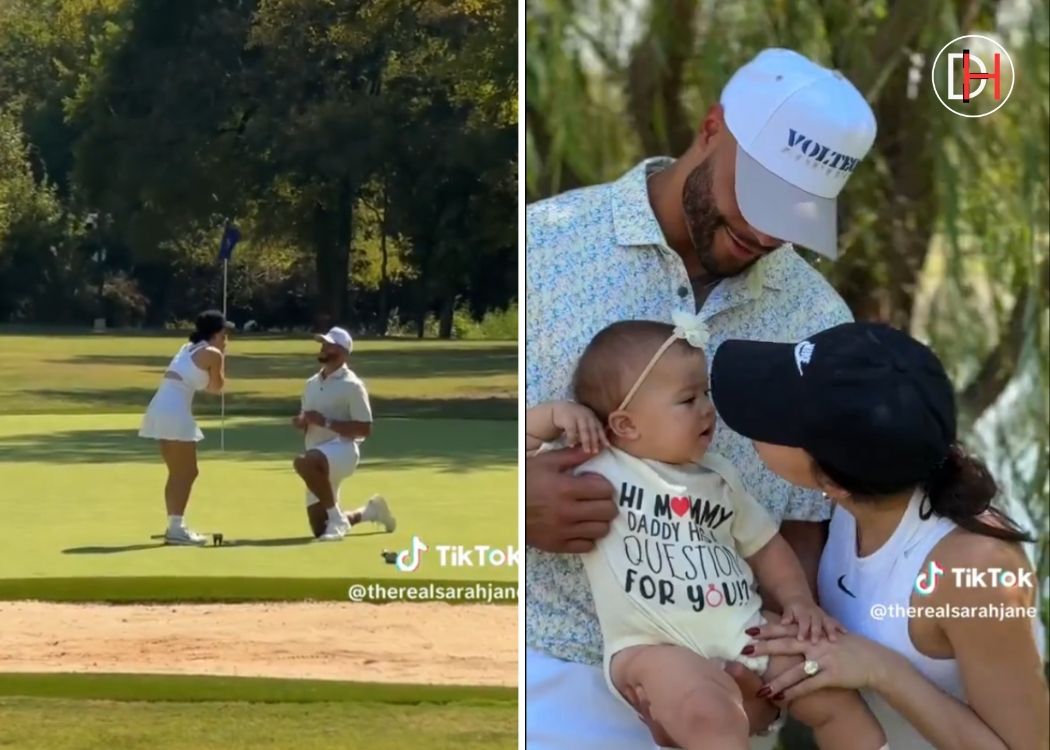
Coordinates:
<point>198,366</point>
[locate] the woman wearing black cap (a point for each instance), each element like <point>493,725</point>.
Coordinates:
<point>946,652</point>
<point>198,366</point>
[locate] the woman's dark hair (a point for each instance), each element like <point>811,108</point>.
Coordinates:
<point>960,488</point>
<point>209,323</point>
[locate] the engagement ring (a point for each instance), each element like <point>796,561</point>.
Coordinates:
<point>810,667</point>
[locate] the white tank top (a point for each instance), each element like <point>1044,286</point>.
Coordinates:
<point>182,364</point>
<point>849,586</point>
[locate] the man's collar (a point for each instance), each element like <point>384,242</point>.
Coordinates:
<point>774,269</point>
<point>339,374</point>
<point>635,225</point>
<point>633,219</point>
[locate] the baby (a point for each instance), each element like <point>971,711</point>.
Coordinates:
<point>672,582</point>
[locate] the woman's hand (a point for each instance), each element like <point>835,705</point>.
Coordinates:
<point>813,622</point>
<point>851,662</point>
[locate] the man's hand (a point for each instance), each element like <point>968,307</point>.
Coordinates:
<point>313,417</point>
<point>563,512</point>
<point>299,421</point>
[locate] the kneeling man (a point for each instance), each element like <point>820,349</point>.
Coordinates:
<point>336,416</point>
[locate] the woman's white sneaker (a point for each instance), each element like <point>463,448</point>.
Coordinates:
<point>181,536</point>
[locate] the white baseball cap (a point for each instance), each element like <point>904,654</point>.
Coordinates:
<point>801,129</point>
<point>337,336</point>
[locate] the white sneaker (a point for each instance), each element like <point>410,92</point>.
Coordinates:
<point>335,530</point>
<point>378,511</point>
<point>183,537</point>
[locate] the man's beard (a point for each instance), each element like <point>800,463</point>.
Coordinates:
<point>703,219</point>
<point>324,358</point>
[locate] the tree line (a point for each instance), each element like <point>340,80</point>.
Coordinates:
<point>365,150</point>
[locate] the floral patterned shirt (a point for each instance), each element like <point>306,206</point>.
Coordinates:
<point>595,256</point>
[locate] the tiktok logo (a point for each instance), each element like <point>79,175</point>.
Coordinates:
<point>926,581</point>
<point>408,559</point>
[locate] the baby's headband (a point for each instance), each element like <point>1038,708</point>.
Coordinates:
<point>686,326</point>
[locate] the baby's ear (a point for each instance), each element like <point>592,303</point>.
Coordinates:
<point>622,425</point>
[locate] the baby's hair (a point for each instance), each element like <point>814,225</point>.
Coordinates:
<point>614,359</point>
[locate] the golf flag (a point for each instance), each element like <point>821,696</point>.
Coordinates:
<point>230,237</point>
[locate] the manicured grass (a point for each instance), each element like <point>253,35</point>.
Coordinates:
<point>201,689</point>
<point>81,495</point>
<point>114,712</point>
<point>155,590</point>
<point>47,373</point>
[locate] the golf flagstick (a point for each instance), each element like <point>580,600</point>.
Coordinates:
<point>230,237</point>
<point>222,428</point>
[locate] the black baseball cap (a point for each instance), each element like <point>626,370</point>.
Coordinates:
<point>867,401</point>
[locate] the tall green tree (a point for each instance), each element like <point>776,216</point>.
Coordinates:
<point>287,110</point>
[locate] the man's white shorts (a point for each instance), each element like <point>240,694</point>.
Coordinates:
<point>342,456</point>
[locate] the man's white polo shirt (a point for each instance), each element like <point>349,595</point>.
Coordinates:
<point>340,397</point>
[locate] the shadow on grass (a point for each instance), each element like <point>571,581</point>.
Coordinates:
<point>111,550</point>
<point>291,541</point>
<point>409,362</point>
<point>446,445</point>
<point>136,399</point>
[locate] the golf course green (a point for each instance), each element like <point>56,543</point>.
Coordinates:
<point>81,495</point>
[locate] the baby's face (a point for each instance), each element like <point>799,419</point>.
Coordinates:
<point>672,410</point>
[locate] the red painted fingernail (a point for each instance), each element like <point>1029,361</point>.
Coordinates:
<point>763,692</point>
<point>747,650</point>
<point>779,696</point>
<point>751,631</point>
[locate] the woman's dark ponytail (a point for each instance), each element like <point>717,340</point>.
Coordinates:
<point>196,337</point>
<point>961,488</point>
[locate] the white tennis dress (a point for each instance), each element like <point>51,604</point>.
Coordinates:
<point>170,413</point>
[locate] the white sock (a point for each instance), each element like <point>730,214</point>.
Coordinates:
<point>335,515</point>
<point>175,523</point>
<point>367,513</point>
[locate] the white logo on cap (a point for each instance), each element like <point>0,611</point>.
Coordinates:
<point>803,353</point>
